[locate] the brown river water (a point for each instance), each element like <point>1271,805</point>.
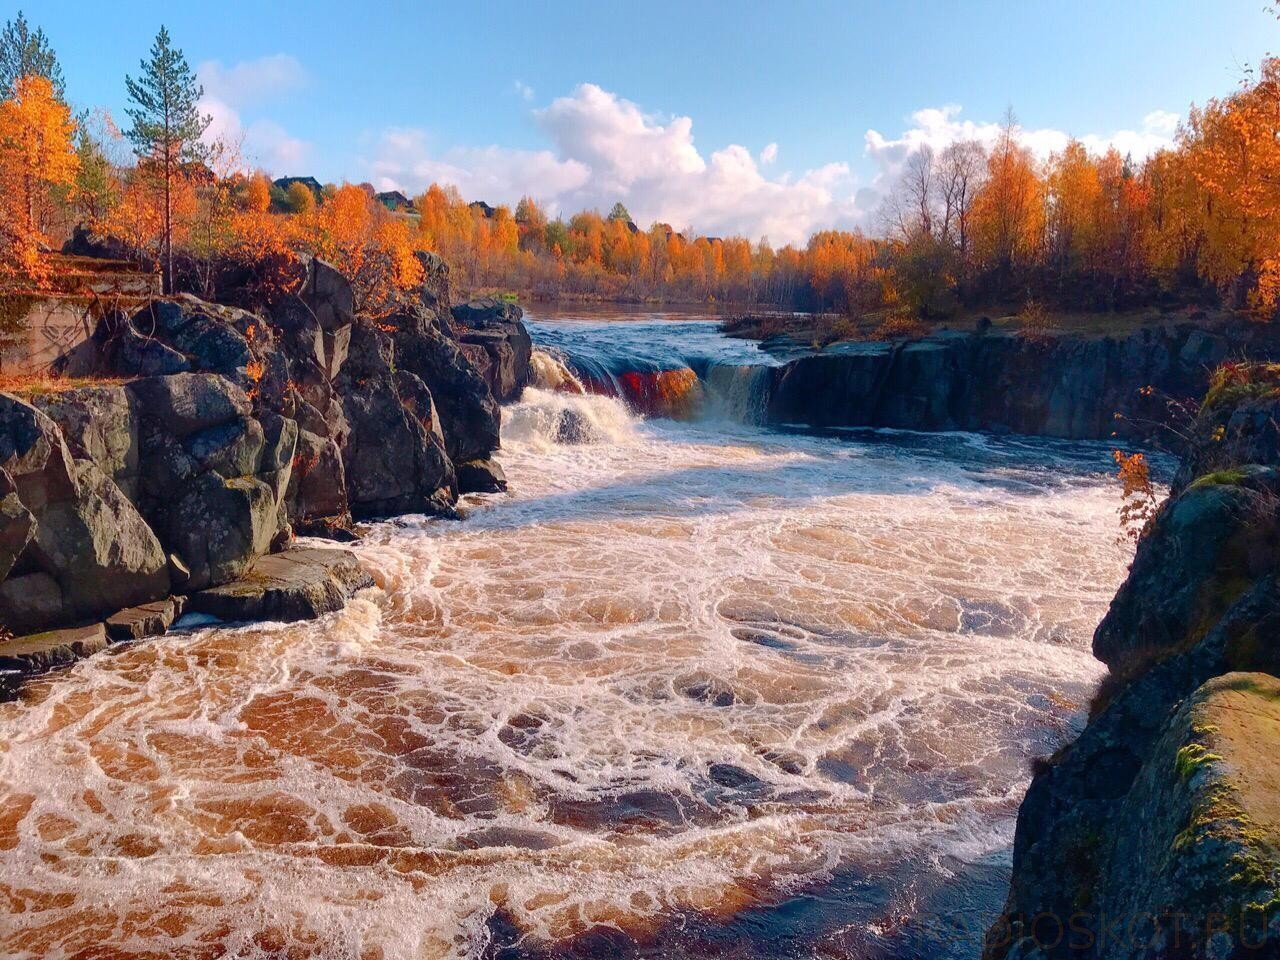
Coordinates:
<point>693,688</point>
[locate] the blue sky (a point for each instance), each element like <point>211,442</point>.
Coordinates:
<point>671,107</point>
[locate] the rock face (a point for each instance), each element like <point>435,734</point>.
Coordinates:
<point>494,339</point>
<point>1055,386</point>
<point>1165,812</point>
<point>231,430</point>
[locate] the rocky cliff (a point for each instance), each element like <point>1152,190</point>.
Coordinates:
<point>1157,832</point>
<point>208,435</point>
<point>1068,386</point>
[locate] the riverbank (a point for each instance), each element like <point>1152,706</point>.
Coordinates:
<point>170,467</point>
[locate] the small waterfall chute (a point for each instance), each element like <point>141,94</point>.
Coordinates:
<point>547,418</point>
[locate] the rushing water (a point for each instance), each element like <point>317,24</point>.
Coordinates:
<point>693,688</point>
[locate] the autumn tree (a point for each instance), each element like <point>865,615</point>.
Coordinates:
<point>36,158</point>
<point>1009,211</point>
<point>167,127</point>
<point>26,53</point>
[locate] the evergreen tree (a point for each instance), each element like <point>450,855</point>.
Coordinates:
<point>24,53</point>
<point>167,126</point>
<point>619,212</point>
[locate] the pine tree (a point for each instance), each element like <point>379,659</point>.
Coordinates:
<point>24,53</point>
<point>167,126</point>
<point>619,212</point>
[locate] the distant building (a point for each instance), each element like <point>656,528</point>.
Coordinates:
<point>395,201</point>
<point>482,207</point>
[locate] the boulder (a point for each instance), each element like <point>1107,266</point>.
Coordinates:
<point>497,343</point>
<point>43,651</point>
<point>144,620</point>
<point>469,415</point>
<point>129,354</point>
<point>187,402</point>
<point>1205,548</point>
<point>31,602</point>
<point>88,536</point>
<point>329,295</point>
<point>218,526</point>
<point>98,424</point>
<point>17,525</point>
<point>318,484</point>
<point>300,583</point>
<point>481,476</point>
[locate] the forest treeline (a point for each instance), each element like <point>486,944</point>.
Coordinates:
<point>970,225</point>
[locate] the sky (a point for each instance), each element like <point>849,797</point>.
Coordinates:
<point>763,119</point>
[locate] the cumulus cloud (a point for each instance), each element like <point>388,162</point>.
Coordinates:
<point>936,127</point>
<point>604,148</point>
<point>230,90</point>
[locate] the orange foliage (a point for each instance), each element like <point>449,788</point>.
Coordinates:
<point>36,157</point>
<point>1138,496</point>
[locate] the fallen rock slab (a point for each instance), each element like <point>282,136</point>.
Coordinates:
<point>297,584</point>
<point>481,476</point>
<point>38,652</point>
<point>144,620</point>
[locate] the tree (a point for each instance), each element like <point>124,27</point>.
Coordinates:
<point>36,157</point>
<point>300,198</point>
<point>167,126</point>
<point>619,212</point>
<point>27,54</point>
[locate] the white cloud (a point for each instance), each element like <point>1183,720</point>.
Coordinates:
<point>608,149</point>
<point>228,91</point>
<point>252,81</point>
<point>936,127</point>
<point>604,148</point>
<point>523,90</point>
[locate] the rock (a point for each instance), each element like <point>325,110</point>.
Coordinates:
<point>393,464</point>
<point>469,415</point>
<point>98,424</point>
<point>481,476</point>
<point>393,456</point>
<point>304,337</point>
<point>1206,547</point>
<point>98,548</point>
<point>337,343</point>
<point>179,572</point>
<point>43,651</point>
<point>144,620</point>
<point>301,583</point>
<point>218,526</point>
<point>328,293</point>
<point>318,484</point>
<point>17,525</point>
<point>88,536</point>
<point>232,449</point>
<point>497,343</point>
<point>129,354</point>
<point>187,402</point>
<point>31,602</point>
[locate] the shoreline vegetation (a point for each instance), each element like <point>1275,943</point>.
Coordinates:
<point>968,230</point>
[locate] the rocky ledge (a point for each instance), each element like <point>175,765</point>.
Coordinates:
<point>1157,832</point>
<point>1069,386</point>
<point>205,436</point>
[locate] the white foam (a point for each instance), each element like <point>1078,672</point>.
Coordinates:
<point>681,667</point>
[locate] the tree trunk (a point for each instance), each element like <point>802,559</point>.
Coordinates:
<point>167,280</point>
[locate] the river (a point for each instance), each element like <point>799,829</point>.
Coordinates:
<point>692,688</point>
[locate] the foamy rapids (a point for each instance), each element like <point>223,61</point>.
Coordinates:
<point>683,673</point>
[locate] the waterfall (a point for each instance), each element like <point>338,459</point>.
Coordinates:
<point>740,392</point>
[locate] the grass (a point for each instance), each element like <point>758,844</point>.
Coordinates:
<point>44,384</point>
<point>1236,383</point>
